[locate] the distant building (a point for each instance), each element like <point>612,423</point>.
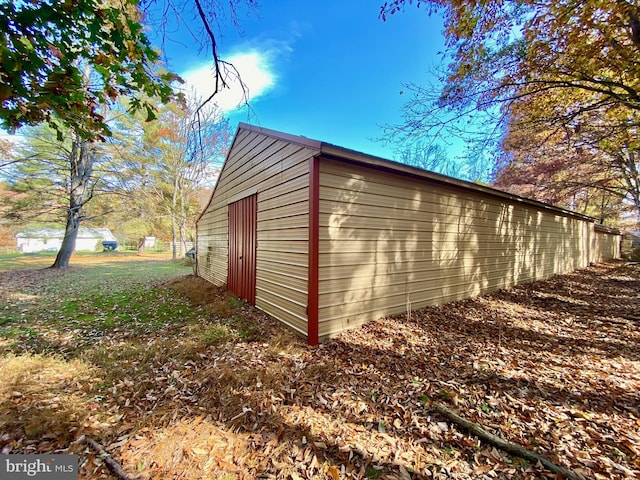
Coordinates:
<point>634,238</point>
<point>630,247</point>
<point>149,242</point>
<point>50,239</point>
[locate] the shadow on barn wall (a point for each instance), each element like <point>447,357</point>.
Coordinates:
<point>390,243</point>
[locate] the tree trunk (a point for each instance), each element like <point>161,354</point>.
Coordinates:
<point>174,214</point>
<point>81,163</point>
<point>183,238</point>
<point>174,237</point>
<point>183,222</point>
<point>69,241</point>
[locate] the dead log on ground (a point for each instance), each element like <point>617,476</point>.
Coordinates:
<point>503,444</point>
<point>113,466</point>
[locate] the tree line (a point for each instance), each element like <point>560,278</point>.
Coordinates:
<point>107,127</point>
<point>546,94</point>
<point>147,178</point>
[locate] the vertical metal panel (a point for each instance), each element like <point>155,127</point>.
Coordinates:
<point>241,279</point>
<point>314,235</point>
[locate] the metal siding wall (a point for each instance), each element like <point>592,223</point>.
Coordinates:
<point>388,242</point>
<point>279,172</point>
<point>605,246</point>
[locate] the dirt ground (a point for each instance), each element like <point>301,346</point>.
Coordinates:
<point>553,366</point>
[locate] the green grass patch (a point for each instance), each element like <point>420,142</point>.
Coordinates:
<point>67,310</point>
<point>216,334</point>
<point>12,261</point>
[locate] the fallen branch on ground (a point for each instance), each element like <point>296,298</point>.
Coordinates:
<point>111,464</point>
<point>503,444</point>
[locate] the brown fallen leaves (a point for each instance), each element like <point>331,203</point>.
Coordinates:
<point>553,366</point>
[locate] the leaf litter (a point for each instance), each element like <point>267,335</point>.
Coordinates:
<point>226,392</point>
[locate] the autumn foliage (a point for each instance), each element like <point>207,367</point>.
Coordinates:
<point>47,50</point>
<point>541,81</point>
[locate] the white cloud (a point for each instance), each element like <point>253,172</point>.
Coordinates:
<point>251,68</point>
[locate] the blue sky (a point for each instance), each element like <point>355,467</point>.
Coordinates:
<point>331,70</point>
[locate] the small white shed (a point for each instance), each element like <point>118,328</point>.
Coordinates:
<point>50,239</point>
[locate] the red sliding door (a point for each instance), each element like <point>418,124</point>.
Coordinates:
<point>243,222</point>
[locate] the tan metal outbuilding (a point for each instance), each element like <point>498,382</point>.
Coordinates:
<point>325,238</point>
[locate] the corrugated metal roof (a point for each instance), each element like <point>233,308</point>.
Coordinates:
<point>349,155</point>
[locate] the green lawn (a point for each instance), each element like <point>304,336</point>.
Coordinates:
<point>52,310</point>
<point>21,261</point>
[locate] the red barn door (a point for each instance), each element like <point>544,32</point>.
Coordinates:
<point>243,221</point>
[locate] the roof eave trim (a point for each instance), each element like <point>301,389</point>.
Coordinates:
<point>341,153</point>
<point>298,140</point>
<point>603,228</point>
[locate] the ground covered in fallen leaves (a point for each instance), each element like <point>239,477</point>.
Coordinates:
<point>216,389</point>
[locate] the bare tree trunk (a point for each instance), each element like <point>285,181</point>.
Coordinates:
<point>174,237</point>
<point>183,238</point>
<point>183,222</point>
<point>69,241</point>
<point>627,164</point>
<point>81,163</point>
<point>174,204</point>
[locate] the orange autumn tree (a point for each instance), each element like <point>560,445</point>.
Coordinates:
<point>589,164</point>
<point>183,150</point>
<point>536,68</point>
<point>552,167</point>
